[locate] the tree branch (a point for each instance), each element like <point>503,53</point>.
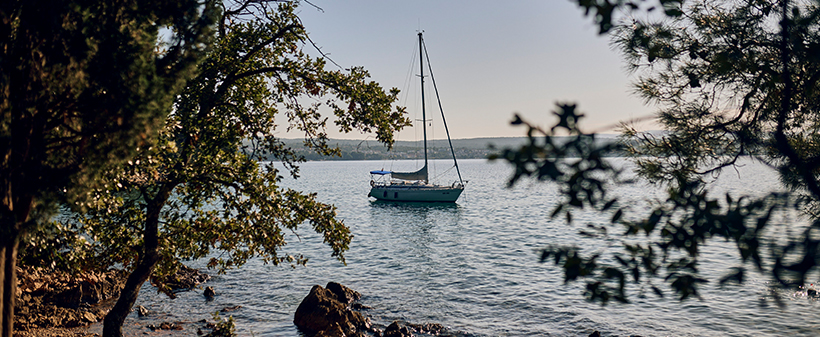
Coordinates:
<point>782,141</point>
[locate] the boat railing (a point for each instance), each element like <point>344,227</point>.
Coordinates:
<point>399,183</point>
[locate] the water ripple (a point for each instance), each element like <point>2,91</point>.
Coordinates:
<point>473,267</point>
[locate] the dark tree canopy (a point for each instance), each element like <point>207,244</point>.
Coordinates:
<point>729,79</point>
<point>81,88</point>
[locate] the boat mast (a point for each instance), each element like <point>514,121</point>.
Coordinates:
<point>423,113</point>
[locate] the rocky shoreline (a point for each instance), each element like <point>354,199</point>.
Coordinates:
<point>54,303</point>
<point>335,311</point>
<point>60,304</point>
<point>49,301</point>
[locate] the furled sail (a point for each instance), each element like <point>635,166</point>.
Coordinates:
<point>421,174</point>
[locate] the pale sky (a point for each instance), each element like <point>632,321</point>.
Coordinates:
<point>490,59</point>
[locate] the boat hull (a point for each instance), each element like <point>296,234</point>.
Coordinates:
<point>416,193</point>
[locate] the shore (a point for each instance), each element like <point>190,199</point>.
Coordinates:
<point>57,304</point>
<point>51,304</point>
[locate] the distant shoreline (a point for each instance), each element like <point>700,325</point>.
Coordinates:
<point>468,148</point>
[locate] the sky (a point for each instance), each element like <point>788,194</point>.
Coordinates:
<point>490,59</point>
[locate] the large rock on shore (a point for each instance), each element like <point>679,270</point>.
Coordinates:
<point>325,312</point>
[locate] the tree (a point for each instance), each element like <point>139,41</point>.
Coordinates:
<point>203,185</point>
<point>605,10</point>
<point>730,79</point>
<point>81,88</point>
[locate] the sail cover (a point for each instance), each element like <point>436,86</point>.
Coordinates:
<point>421,174</point>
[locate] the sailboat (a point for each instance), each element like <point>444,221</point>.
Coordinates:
<point>416,186</point>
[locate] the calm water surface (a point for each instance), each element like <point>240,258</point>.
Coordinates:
<point>473,267</point>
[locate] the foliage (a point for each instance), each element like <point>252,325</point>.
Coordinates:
<point>81,87</point>
<point>219,195</point>
<point>605,10</point>
<point>203,187</point>
<point>223,327</point>
<point>730,79</point>
<point>57,246</point>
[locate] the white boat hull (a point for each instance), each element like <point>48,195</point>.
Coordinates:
<point>424,193</point>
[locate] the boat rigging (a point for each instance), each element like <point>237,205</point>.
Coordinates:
<point>416,186</point>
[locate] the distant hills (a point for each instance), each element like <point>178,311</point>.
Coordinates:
<point>470,148</point>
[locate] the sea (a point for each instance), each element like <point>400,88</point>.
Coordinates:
<point>473,266</point>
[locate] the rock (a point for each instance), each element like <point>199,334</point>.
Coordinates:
<point>343,294</point>
<point>428,328</point>
<point>333,331</point>
<point>321,309</point>
<point>209,293</point>
<point>165,326</point>
<point>69,298</point>
<point>394,330</point>
<point>92,292</point>
<point>90,317</point>
<point>142,311</point>
<point>595,334</point>
<point>226,309</point>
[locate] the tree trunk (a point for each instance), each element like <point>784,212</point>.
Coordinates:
<point>8,274</point>
<point>112,326</point>
<point>13,221</point>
